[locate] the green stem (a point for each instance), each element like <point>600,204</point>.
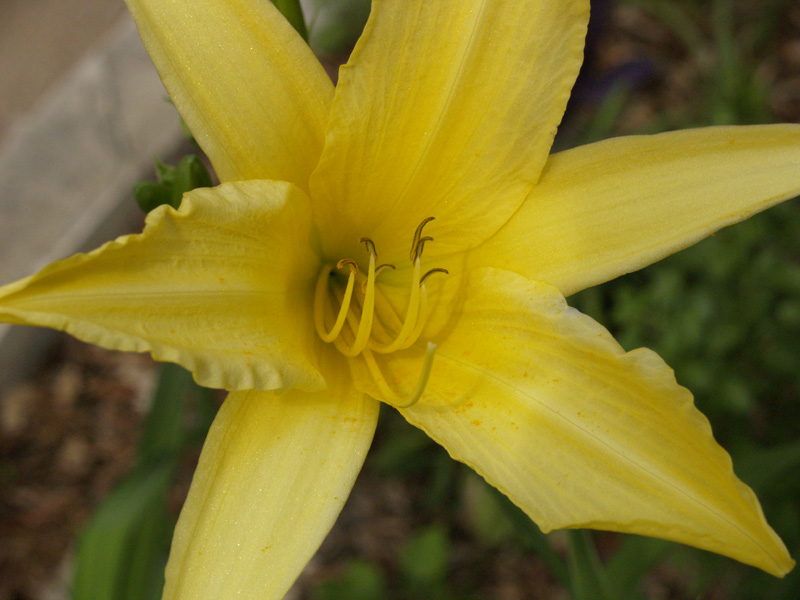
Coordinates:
<point>294,14</point>
<point>587,576</point>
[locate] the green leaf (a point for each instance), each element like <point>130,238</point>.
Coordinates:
<point>607,113</point>
<point>190,173</point>
<point>763,469</point>
<point>587,577</point>
<point>206,412</point>
<point>635,558</point>
<point>402,451</point>
<point>123,545</point>
<point>361,581</point>
<point>121,553</point>
<point>147,557</point>
<point>293,12</point>
<point>485,515</point>
<point>423,560</point>
<point>172,184</point>
<point>162,434</point>
<point>533,538</point>
<point>150,194</point>
<point>165,173</point>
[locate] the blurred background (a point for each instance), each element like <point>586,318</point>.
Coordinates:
<point>724,314</point>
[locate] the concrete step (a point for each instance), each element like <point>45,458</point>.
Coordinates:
<point>68,165</point>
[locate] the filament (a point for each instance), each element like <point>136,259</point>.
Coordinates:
<point>372,323</point>
<point>410,320</point>
<point>389,395</point>
<point>319,299</point>
<point>367,311</point>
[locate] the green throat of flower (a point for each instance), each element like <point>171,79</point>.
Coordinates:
<point>360,320</point>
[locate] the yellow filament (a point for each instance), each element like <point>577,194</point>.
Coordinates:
<point>421,319</point>
<point>370,332</point>
<point>319,304</point>
<point>389,395</point>
<point>410,321</point>
<point>379,332</point>
<point>367,313</point>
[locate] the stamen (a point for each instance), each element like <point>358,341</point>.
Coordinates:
<point>368,310</point>
<point>319,300</point>
<point>410,321</point>
<point>383,267</point>
<point>349,262</point>
<point>370,246</point>
<point>419,241</point>
<point>377,329</point>
<point>378,270</point>
<point>390,396</point>
<point>431,272</point>
<point>421,319</point>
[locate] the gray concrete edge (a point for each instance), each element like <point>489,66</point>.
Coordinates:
<point>67,169</point>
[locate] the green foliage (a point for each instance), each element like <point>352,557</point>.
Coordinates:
<point>486,514</point>
<point>635,557</point>
<point>336,25</point>
<point>122,552</point>
<point>423,562</point>
<point>172,184</point>
<point>588,579</point>
<point>360,581</point>
<point>733,92</point>
<point>293,12</point>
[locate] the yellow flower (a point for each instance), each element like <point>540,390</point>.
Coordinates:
<point>275,280</point>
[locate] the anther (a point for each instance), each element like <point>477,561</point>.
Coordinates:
<point>421,246</point>
<point>419,241</point>
<point>359,314</point>
<point>431,272</point>
<point>378,270</point>
<point>370,246</point>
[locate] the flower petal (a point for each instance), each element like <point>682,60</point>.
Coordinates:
<point>542,402</point>
<point>274,473</point>
<point>223,287</point>
<point>246,84</point>
<point>448,112</point>
<point>606,209</point>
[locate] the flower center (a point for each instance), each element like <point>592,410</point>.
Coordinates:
<point>360,320</point>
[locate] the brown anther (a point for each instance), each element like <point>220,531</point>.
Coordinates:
<point>435,270</point>
<point>383,267</point>
<point>378,269</point>
<point>420,247</point>
<point>350,263</point>
<point>370,246</point>
<point>419,241</point>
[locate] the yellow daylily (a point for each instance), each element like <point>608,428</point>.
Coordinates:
<point>308,283</point>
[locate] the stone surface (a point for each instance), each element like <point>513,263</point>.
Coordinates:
<point>40,40</point>
<point>67,168</point>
